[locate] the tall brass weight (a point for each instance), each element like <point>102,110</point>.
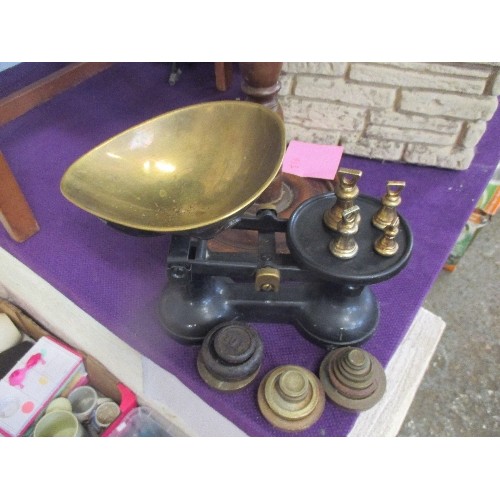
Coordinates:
<point>390,201</point>
<point>344,245</point>
<point>346,192</point>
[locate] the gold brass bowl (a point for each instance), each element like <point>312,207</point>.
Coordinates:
<point>192,170</point>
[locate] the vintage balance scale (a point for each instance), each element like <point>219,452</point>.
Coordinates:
<point>196,172</point>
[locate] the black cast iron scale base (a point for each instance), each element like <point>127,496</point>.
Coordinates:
<point>328,299</point>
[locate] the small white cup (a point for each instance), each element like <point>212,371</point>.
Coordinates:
<point>83,401</point>
<point>9,334</point>
<point>59,423</point>
<point>104,415</point>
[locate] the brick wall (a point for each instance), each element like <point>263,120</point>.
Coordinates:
<point>422,113</point>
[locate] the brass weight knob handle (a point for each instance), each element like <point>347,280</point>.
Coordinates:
<point>393,194</point>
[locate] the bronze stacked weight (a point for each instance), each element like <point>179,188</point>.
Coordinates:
<point>352,378</point>
<point>291,398</point>
<point>230,356</point>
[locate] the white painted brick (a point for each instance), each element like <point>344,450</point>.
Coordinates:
<point>397,77</point>
<point>409,135</point>
<point>459,159</point>
<point>473,133</point>
<point>410,111</point>
<point>286,82</point>
<point>336,89</point>
<point>495,89</point>
<point>460,69</point>
<point>350,136</point>
<point>322,115</point>
<point>317,68</point>
<point>315,136</point>
<point>450,105</point>
<point>408,120</point>
<point>373,148</point>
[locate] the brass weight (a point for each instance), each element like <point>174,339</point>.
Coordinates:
<point>346,192</point>
<point>386,245</point>
<point>230,356</point>
<point>291,398</point>
<point>344,245</point>
<point>352,378</point>
<point>390,201</point>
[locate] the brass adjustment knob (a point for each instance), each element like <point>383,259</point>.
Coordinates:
<point>230,356</point>
<point>386,245</point>
<point>352,378</point>
<point>291,398</point>
<point>344,245</point>
<point>390,201</point>
<point>267,279</point>
<point>346,192</point>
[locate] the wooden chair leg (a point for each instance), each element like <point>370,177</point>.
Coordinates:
<point>223,75</point>
<point>15,213</point>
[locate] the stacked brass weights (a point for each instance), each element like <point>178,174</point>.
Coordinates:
<point>230,356</point>
<point>291,397</point>
<point>352,378</point>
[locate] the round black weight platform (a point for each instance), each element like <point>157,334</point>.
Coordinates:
<point>308,239</point>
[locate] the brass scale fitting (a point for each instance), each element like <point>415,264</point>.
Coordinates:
<point>344,216</point>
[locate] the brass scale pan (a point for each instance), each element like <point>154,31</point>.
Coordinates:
<point>193,170</point>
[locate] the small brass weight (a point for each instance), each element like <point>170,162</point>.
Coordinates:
<point>390,201</point>
<point>386,245</point>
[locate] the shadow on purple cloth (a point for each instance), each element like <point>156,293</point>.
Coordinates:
<point>118,278</point>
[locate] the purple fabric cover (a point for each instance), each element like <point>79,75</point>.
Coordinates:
<point>118,278</point>
<point>17,78</point>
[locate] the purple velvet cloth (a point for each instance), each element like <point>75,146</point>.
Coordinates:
<point>118,278</point>
<point>20,76</point>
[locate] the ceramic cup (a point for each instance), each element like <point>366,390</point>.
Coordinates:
<point>83,401</point>
<point>9,334</point>
<point>59,423</point>
<point>104,415</point>
<point>59,404</point>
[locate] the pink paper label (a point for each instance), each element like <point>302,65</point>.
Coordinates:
<point>312,160</point>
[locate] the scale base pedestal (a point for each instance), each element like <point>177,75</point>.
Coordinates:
<point>324,313</point>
